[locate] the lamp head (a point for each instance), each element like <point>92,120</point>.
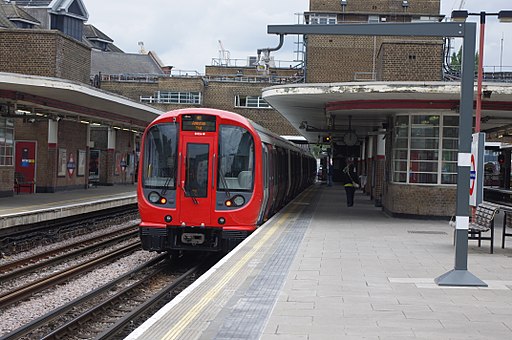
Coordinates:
<point>505,16</point>
<point>459,15</point>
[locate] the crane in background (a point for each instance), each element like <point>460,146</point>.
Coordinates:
<point>224,55</point>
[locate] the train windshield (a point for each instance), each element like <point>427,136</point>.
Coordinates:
<point>160,157</point>
<point>236,159</point>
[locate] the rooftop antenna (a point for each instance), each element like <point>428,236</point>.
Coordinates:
<point>142,50</point>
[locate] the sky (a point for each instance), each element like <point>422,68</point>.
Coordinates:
<point>186,36</point>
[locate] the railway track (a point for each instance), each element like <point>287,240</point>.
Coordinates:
<point>54,256</point>
<point>20,293</point>
<point>113,310</point>
<point>17,239</point>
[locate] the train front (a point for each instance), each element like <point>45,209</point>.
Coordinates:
<point>197,181</point>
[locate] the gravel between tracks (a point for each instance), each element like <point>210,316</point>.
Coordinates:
<point>16,316</point>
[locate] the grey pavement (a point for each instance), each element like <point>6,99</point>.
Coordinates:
<point>360,274</point>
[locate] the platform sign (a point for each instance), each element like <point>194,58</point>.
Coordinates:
<point>476,174</point>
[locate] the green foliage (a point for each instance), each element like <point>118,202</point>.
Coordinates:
<point>456,60</point>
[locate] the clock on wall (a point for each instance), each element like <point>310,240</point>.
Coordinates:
<point>350,138</point>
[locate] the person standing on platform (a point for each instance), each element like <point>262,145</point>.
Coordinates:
<point>350,181</point>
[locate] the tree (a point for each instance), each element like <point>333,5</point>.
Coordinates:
<point>456,60</point>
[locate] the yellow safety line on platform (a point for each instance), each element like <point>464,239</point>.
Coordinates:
<point>198,308</point>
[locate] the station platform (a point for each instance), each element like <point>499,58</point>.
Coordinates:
<point>31,208</point>
<point>321,270</point>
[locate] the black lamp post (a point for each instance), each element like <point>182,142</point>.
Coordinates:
<point>461,16</point>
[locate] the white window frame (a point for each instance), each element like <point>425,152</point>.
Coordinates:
<point>6,142</point>
<point>442,166</point>
<point>174,97</point>
<point>251,102</point>
<point>323,19</point>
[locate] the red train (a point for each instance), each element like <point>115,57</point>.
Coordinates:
<point>208,178</point>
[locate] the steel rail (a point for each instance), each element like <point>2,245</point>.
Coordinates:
<point>60,311</point>
<point>34,262</point>
<point>37,286</point>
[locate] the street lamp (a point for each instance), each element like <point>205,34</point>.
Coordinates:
<point>461,16</point>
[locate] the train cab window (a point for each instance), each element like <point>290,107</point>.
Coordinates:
<point>160,157</point>
<point>236,159</point>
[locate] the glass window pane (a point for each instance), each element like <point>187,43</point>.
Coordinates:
<point>196,181</point>
<point>449,155</point>
<point>450,144</point>
<point>425,120</point>
<point>160,157</point>
<point>424,166</point>
<point>400,165</point>
<point>428,144</point>
<point>449,179</point>
<point>400,177</point>
<point>422,178</point>
<point>449,167</point>
<point>424,155</point>
<point>424,131</point>
<point>236,159</point>
<point>401,143</point>
<point>400,154</point>
<point>451,121</point>
<point>451,132</point>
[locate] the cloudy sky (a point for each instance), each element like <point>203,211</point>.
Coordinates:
<point>186,34</point>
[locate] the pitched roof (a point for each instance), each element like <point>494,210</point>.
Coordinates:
<point>15,13</point>
<point>123,63</point>
<point>34,3</point>
<point>94,38</point>
<point>71,7</point>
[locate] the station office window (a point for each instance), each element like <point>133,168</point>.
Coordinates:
<point>425,149</point>
<point>321,19</point>
<point>6,141</point>
<point>251,102</point>
<point>173,97</point>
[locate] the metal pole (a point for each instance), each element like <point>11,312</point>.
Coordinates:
<point>460,276</point>
<point>480,73</point>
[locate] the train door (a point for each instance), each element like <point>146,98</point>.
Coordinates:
<point>196,185</point>
<point>26,164</point>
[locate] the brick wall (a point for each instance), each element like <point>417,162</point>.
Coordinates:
<point>333,58</point>
<point>216,94</point>
<point>44,53</point>
<point>420,200</point>
<point>376,6</point>
<point>410,61</point>
<point>72,136</point>
<point>6,181</point>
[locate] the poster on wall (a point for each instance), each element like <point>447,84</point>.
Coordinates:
<point>62,163</point>
<point>117,168</point>
<point>81,163</point>
<point>94,166</point>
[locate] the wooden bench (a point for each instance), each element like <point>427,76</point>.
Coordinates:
<point>20,182</point>
<point>482,222</point>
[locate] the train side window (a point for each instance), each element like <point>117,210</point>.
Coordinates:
<point>236,159</point>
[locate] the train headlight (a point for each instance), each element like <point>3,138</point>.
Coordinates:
<point>228,203</point>
<point>168,218</point>
<point>221,220</point>
<point>154,197</point>
<point>238,201</point>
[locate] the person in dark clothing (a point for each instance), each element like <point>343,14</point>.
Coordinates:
<point>350,181</point>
